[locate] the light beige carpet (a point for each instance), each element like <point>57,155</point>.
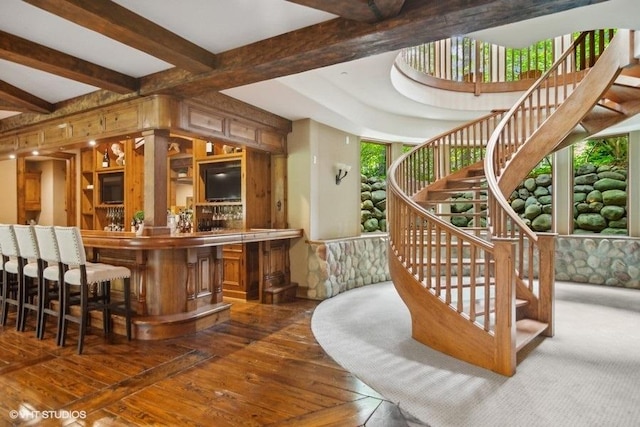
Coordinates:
<point>588,374</point>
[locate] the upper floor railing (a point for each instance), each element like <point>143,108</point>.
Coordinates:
<point>468,65</point>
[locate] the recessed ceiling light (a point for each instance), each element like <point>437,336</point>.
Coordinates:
<point>35,152</point>
<point>12,156</point>
<point>92,142</point>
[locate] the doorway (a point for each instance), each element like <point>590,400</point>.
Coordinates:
<point>46,189</point>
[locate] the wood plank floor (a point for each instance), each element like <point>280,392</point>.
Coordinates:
<point>261,368</point>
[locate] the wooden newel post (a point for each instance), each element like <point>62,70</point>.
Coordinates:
<point>546,280</point>
<point>505,332</point>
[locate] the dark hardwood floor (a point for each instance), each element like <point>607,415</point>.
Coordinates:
<point>261,368</point>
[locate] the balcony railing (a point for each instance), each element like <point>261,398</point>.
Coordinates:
<point>467,65</point>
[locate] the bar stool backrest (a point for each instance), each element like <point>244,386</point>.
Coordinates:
<point>8,241</point>
<point>27,243</point>
<point>47,243</point>
<point>70,245</point>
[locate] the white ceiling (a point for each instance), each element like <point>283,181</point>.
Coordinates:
<point>358,97</point>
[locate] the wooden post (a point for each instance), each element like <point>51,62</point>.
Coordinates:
<point>505,329</point>
<point>155,182</point>
<point>546,280</point>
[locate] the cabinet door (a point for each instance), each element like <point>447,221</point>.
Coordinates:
<point>32,191</point>
<point>233,283</point>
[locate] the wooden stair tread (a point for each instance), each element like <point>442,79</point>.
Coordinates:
<point>527,330</point>
<point>276,289</point>
<point>452,201</point>
<point>475,214</point>
<point>481,306</point>
<point>456,189</point>
<point>474,179</point>
<point>454,261</point>
<point>279,292</point>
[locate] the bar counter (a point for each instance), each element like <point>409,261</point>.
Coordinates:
<point>177,279</point>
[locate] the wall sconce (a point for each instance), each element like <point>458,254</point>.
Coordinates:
<point>342,169</point>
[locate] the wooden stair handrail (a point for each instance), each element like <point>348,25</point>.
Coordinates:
<point>442,271</point>
<point>500,153</point>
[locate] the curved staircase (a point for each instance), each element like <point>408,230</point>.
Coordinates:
<point>483,291</point>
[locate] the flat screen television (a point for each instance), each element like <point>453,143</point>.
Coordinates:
<point>112,188</point>
<point>223,182</point>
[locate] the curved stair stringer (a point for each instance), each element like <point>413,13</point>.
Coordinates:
<point>436,325</point>
<point>444,274</point>
<point>558,130</point>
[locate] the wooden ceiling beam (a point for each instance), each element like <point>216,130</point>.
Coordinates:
<point>341,40</point>
<point>121,24</point>
<point>324,44</point>
<point>25,52</point>
<point>357,10</point>
<point>20,100</point>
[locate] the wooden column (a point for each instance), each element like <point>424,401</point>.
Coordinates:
<point>155,181</point>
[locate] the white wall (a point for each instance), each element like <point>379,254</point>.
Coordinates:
<point>321,208</point>
<point>325,210</point>
<point>9,205</point>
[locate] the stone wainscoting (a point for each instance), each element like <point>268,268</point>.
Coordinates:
<point>610,261</point>
<point>336,266</point>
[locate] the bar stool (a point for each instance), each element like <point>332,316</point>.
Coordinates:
<point>72,254</point>
<point>13,291</point>
<point>31,283</point>
<point>53,272</point>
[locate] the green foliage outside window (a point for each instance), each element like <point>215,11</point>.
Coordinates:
<point>612,151</point>
<point>373,159</point>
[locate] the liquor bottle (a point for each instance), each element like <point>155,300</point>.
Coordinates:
<point>105,159</point>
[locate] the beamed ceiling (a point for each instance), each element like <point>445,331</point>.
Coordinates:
<point>187,48</point>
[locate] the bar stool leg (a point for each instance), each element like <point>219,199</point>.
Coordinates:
<point>84,313</point>
<point>106,307</point>
<point>127,306</point>
<point>5,295</point>
<point>61,301</point>
<point>43,300</point>
<point>21,290</point>
<point>66,304</point>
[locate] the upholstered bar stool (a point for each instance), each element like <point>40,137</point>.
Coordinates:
<point>31,284</point>
<point>13,291</point>
<point>52,278</point>
<point>72,254</point>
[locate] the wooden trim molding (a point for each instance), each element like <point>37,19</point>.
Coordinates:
<point>210,116</point>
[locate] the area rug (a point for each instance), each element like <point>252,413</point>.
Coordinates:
<point>588,374</point>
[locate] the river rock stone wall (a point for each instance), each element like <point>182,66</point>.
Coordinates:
<point>598,260</point>
<point>599,201</point>
<point>337,266</point>
<point>373,204</point>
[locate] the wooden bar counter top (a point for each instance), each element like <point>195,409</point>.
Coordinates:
<point>177,279</point>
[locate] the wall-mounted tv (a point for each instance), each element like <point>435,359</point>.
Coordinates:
<point>112,188</point>
<point>223,182</point>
